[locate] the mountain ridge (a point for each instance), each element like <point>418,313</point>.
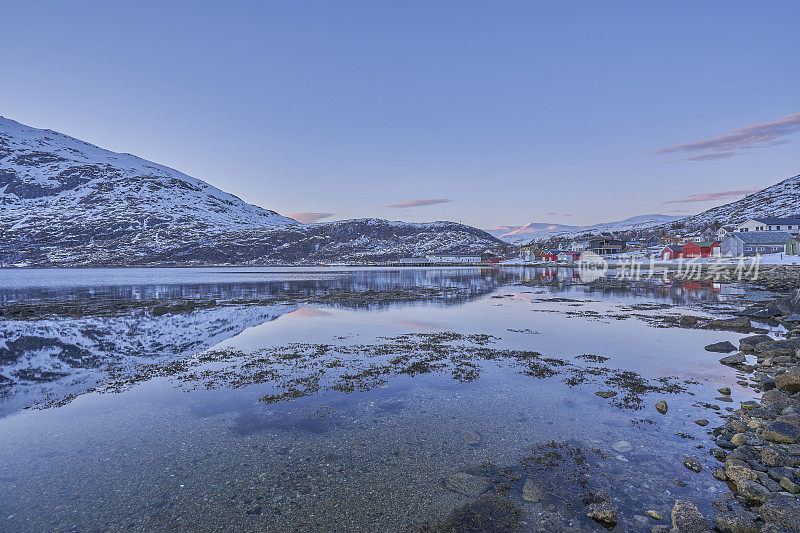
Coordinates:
<point>66,202</point>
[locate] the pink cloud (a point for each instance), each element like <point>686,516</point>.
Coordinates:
<point>711,196</point>
<point>418,203</point>
<point>311,217</point>
<point>756,136</point>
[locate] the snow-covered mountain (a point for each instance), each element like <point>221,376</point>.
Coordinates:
<point>67,202</point>
<point>539,231</point>
<point>777,200</point>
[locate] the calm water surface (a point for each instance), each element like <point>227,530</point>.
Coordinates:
<point>358,415</point>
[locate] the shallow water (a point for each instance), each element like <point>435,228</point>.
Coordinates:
<point>352,416</point>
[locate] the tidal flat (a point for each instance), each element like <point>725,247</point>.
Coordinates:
<point>446,399</point>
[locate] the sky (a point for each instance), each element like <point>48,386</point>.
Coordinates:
<point>487,113</point>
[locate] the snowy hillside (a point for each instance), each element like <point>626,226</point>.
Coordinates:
<point>778,200</point>
<point>66,202</point>
<point>542,231</point>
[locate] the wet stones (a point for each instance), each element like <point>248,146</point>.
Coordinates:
<point>655,515</point>
<point>661,407</point>
<point>734,324</point>
<point>606,393</point>
<point>701,422</point>
<point>751,491</point>
<point>692,464</point>
<point>721,347</point>
<point>782,432</point>
<point>784,511</point>
<point>531,491</point>
<point>687,518</point>
<point>467,484</point>
<point>789,381</point>
<point>735,359</point>
<point>602,509</point>
<point>622,446</point>
<point>736,522</point>
<point>747,343</point>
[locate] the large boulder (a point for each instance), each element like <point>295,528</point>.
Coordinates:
<point>746,344</point>
<point>721,347</point>
<point>782,432</point>
<point>735,522</point>
<point>602,509</point>
<point>790,305</point>
<point>782,510</point>
<point>687,518</point>
<point>789,381</point>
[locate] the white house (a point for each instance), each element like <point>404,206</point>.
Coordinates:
<point>578,246</point>
<point>790,224</point>
<point>755,243</point>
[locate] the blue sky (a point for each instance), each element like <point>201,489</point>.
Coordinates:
<point>489,113</point>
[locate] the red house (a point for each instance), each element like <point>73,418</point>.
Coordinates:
<point>568,255</point>
<point>671,251</point>
<point>549,256</point>
<point>701,249</point>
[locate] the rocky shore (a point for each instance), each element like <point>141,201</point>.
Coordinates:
<point>780,278</point>
<point>758,446</point>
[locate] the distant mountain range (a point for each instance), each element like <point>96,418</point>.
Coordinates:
<point>65,202</point>
<point>540,231</point>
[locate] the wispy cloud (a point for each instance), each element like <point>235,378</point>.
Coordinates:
<point>418,203</point>
<point>740,139</point>
<point>311,217</point>
<point>711,196</point>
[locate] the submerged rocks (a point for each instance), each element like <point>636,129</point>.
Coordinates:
<point>606,393</point>
<point>467,484</point>
<point>531,491</point>
<point>602,509</point>
<point>692,464</point>
<point>687,518</point>
<point>721,347</point>
<point>622,446</point>
<point>661,407</point>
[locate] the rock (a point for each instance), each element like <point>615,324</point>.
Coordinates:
<point>752,491</point>
<point>761,311</point>
<point>688,321</point>
<point>721,347</point>
<point>602,509</point>
<point>735,522</point>
<point>771,456</point>
<point>725,391</point>
<point>782,432</point>
<point>692,464</point>
<point>793,318</point>
<point>661,407</point>
<point>789,381</point>
<point>655,515</point>
<point>772,527</point>
<point>778,399</point>
<point>783,510</point>
<point>788,485</point>
<point>159,310</point>
<point>741,323</point>
<point>747,343</point>
<point>531,491</point>
<point>660,529</point>
<point>470,437</point>
<point>719,474</point>
<point>606,393</point>
<point>735,359</point>
<point>735,472</point>
<point>701,422</point>
<point>622,446</point>
<point>687,518</point>
<point>467,484</point>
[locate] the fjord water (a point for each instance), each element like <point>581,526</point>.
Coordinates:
<point>361,412</point>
